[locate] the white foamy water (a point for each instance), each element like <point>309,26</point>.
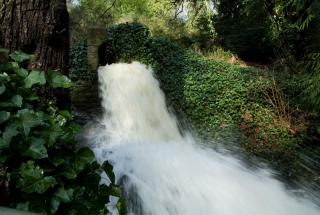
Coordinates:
<point>166,173</point>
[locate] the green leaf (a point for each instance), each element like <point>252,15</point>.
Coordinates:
<point>14,101</point>
<point>28,119</point>
<point>53,134</point>
<point>66,114</point>
<point>61,195</point>
<point>108,168</point>
<point>19,56</point>
<point>70,173</point>
<point>10,132</point>
<point>35,77</point>
<point>40,186</point>
<point>3,144</point>
<point>121,206</point>
<point>4,116</point>
<point>59,80</point>
<point>4,77</point>
<point>30,171</point>
<point>64,195</point>
<point>37,149</point>
<point>32,180</point>
<point>85,156</point>
<point>115,191</point>
<point>2,88</point>
<point>32,97</point>
<point>55,203</point>
<point>22,72</point>
<point>2,50</point>
<point>58,159</point>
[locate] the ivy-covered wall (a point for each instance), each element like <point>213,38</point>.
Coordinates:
<point>79,66</point>
<point>214,95</point>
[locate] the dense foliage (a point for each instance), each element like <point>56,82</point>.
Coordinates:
<point>42,169</point>
<point>124,41</point>
<point>79,68</point>
<point>287,32</point>
<point>244,27</point>
<point>215,96</point>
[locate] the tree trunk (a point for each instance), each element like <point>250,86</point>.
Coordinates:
<point>37,26</point>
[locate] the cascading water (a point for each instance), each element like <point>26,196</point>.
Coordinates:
<point>166,173</point>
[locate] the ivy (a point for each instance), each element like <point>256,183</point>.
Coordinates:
<point>79,68</point>
<point>45,170</point>
<point>214,96</point>
<point>34,77</point>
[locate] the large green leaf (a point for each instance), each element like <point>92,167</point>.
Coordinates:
<point>108,168</point>
<point>4,77</point>
<point>70,173</point>
<point>2,50</point>
<point>52,135</point>
<point>28,119</point>
<point>29,171</point>
<point>115,190</point>
<point>21,72</point>
<point>121,206</point>
<point>55,203</point>
<point>59,159</point>
<point>32,97</point>
<point>3,144</point>
<point>37,149</point>
<point>83,158</point>
<point>2,88</point>
<point>4,116</point>
<point>9,132</point>
<point>14,101</point>
<point>59,80</point>
<point>34,77</point>
<point>19,56</point>
<point>40,186</point>
<point>64,195</point>
<point>32,180</point>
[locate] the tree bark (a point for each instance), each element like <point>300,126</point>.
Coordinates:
<point>39,27</point>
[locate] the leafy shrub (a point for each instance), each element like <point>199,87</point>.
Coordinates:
<point>79,67</point>
<point>214,95</point>
<point>42,168</point>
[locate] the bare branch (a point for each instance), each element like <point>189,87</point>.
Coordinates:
<point>109,8</point>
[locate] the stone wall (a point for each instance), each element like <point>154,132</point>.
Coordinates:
<point>94,40</point>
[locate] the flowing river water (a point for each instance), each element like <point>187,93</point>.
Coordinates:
<point>164,170</point>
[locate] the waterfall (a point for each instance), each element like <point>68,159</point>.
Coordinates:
<point>165,172</point>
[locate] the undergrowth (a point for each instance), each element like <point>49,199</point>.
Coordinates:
<point>42,168</point>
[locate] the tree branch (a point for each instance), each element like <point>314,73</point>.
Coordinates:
<point>111,6</point>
